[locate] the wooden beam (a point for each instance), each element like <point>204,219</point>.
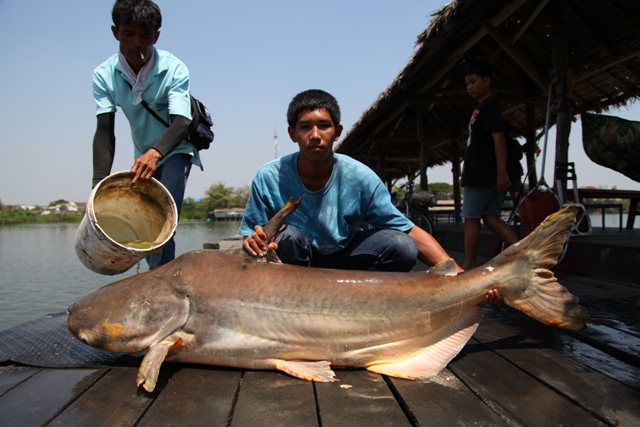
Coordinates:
<point>390,117</point>
<point>516,54</point>
<point>426,100</point>
<point>457,54</point>
<point>437,139</point>
<point>525,26</point>
<point>603,66</point>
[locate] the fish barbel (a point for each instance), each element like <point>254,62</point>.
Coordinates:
<point>217,308</point>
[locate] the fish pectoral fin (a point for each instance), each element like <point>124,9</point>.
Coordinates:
<point>319,371</point>
<point>432,359</point>
<point>444,268</point>
<point>272,256</point>
<point>150,366</point>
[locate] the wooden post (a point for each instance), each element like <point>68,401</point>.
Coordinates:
<point>380,164</point>
<point>530,146</point>
<point>562,88</point>
<point>424,150</point>
<point>455,168</point>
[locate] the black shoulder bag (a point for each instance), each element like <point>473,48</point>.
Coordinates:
<point>199,132</point>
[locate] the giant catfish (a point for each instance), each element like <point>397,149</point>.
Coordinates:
<point>218,308</point>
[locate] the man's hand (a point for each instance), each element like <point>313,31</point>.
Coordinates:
<point>255,245</point>
<point>492,297</point>
<point>145,166</point>
<point>504,182</point>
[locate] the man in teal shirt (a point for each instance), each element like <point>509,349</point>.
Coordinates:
<point>338,191</point>
<point>141,72</point>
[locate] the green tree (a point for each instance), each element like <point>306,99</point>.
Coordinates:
<point>241,196</point>
<point>189,209</point>
<point>219,196</point>
<point>441,190</point>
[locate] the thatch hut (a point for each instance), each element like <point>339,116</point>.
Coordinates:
<point>587,53</point>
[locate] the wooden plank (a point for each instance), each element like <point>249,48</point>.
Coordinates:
<point>41,397</point>
<point>599,288</point>
<point>114,401</point>
<point>615,313</point>
<point>360,398</point>
<point>512,393</point>
<point>444,401</point>
<point>195,396</point>
<point>568,346</point>
<point>618,343</point>
<point>620,299</point>
<point>608,399</point>
<point>11,376</point>
<point>269,398</point>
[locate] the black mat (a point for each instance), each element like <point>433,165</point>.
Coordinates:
<point>47,343</point>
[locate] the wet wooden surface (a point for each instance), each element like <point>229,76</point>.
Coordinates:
<point>514,371</point>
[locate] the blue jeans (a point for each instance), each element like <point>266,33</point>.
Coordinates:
<point>480,201</point>
<point>375,250</point>
<point>173,174</point>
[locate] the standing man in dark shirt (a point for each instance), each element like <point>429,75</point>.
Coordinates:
<point>484,175</point>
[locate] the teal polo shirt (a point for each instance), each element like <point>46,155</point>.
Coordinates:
<point>166,91</point>
<point>326,216</point>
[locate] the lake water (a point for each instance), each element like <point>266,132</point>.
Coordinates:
<point>40,273</point>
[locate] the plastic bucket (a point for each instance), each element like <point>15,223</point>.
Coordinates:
<point>124,224</point>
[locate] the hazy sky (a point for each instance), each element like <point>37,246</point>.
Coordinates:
<point>247,59</point>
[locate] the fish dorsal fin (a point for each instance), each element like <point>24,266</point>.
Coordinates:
<point>445,268</point>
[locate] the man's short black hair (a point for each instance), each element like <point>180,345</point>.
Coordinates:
<point>143,13</point>
<point>311,100</point>
<point>481,68</point>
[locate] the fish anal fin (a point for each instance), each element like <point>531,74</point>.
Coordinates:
<point>432,359</point>
<point>318,371</point>
<point>445,268</point>
<point>150,366</point>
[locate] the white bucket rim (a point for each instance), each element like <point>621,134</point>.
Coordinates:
<point>94,220</point>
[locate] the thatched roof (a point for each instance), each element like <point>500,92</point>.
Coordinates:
<point>517,38</point>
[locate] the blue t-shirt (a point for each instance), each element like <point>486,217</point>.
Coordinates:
<point>166,91</point>
<point>326,216</point>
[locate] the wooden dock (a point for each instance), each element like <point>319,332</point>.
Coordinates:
<point>514,371</point>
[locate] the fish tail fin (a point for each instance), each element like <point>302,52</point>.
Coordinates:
<point>541,296</point>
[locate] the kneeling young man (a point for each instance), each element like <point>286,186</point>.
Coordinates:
<point>338,191</point>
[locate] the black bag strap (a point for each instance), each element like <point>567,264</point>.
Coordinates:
<point>150,110</point>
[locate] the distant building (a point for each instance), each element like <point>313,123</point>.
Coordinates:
<point>227,214</point>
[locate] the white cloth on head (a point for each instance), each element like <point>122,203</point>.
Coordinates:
<point>137,80</point>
